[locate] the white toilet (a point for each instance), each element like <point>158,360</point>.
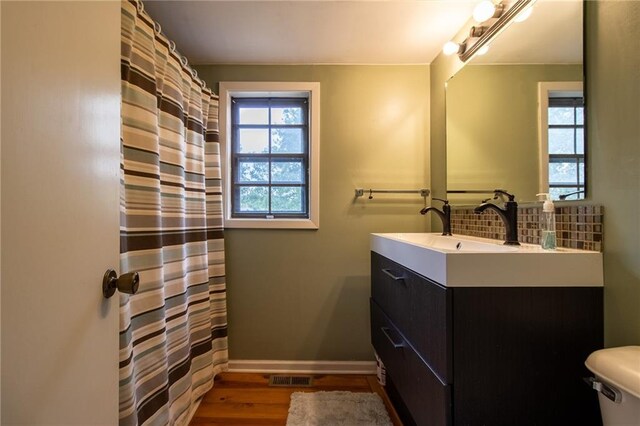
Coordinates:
<point>617,381</point>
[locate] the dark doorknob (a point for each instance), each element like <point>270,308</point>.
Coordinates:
<point>127,283</point>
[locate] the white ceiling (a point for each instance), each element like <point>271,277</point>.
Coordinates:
<point>310,32</point>
<point>335,32</point>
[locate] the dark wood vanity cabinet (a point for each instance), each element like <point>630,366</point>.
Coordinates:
<point>485,355</point>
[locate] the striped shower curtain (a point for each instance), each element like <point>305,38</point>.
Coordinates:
<point>173,331</point>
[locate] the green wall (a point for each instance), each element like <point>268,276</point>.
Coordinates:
<point>613,102</point>
<point>301,294</point>
<point>492,127</point>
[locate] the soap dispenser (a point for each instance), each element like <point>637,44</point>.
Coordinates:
<point>547,223</point>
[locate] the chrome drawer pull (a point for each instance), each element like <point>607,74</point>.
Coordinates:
<point>393,277</point>
<point>386,330</point>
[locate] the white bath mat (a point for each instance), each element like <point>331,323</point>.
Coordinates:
<point>337,409</point>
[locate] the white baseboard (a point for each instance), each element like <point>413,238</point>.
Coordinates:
<point>302,367</point>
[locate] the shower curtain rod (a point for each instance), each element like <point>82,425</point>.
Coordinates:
<point>157,28</point>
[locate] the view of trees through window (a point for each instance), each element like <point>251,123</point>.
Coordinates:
<point>270,157</point>
<point>566,147</point>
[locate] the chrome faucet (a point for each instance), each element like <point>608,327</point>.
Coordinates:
<point>508,214</point>
<point>444,215</point>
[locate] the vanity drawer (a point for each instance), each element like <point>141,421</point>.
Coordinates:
<point>419,308</point>
<point>390,288</point>
<point>425,396</point>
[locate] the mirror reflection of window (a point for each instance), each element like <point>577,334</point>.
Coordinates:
<point>562,141</point>
<point>566,146</point>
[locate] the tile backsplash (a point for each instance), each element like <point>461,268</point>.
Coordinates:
<point>578,227</point>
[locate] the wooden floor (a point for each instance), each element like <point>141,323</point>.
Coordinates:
<point>247,399</point>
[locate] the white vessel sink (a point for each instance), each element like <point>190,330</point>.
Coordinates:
<point>464,261</point>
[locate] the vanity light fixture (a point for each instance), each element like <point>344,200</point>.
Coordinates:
<point>483,50</point>
<point>486,10</point>
<point>452,47</point>
<point>495,18</point>
<point>524,15</point>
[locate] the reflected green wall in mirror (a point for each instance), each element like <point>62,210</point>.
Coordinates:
<point>492,127</point>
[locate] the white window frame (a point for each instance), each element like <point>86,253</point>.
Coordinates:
<point>545,89</point>
<point>310,90</point>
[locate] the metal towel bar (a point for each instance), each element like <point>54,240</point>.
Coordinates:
<point>424,192</point>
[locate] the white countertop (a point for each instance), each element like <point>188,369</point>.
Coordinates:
<point>464,261</point>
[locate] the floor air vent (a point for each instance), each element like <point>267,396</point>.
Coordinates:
<point>291,381</point>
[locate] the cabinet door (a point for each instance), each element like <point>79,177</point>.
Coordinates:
<point>520,355</point>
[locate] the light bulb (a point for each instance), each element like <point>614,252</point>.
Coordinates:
<point>450,48</point>
<point>484,11</point>
<point>522,16</point>
<point>484,49</point>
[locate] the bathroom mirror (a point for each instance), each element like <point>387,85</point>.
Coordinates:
<point>499,128</point>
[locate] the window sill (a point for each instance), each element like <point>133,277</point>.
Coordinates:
<point>270,224</point>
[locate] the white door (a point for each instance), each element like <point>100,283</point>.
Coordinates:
<point>60,157</point>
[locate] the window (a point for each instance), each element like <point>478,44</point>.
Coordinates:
<point>269,164</point>
<point>566,147</point>
<point>562,140</point>
<point>270,135</point>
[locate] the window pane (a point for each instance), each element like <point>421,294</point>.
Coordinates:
<point>280,115</point>
<point>287,172</point>
<point>253,116</point>
<point>253,171</point>
<point>270,153</point>
<point>287,140</point>
<point>286,199</point>
<point>579,141</point>
<point>581,171</point>
<point>563,172</point>
<point>555,193</point>
<point>561,115</point>
<point>253,141</point>
<point>580,115</point>
<point>561,141</point>
<point>254,199</point>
